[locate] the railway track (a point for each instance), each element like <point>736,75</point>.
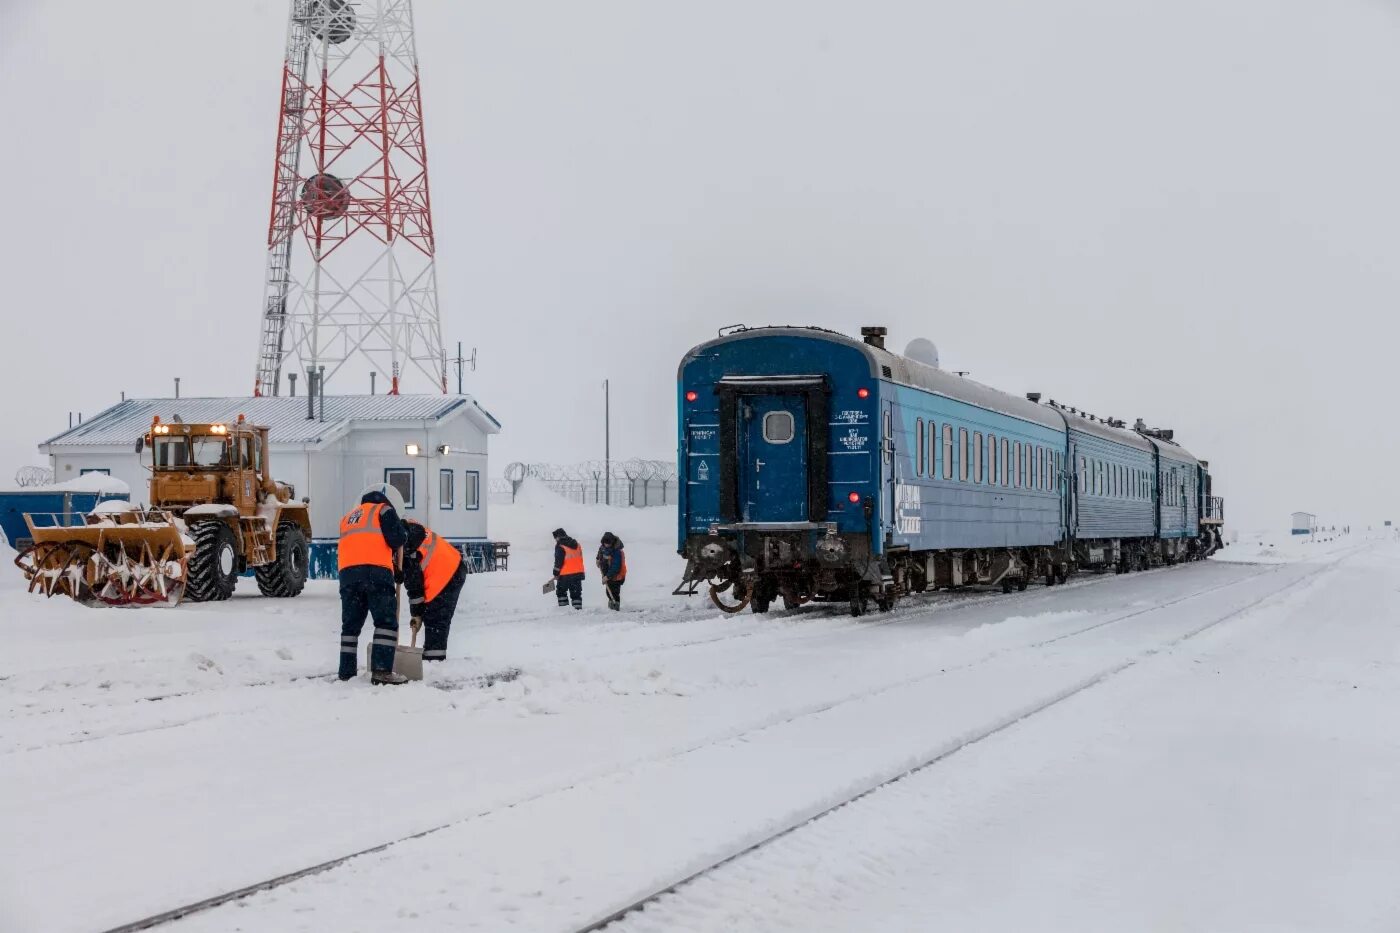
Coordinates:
<point>945,752</point>
<point>169,916</point>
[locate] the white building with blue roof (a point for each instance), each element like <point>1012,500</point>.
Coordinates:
<point>433,448</point>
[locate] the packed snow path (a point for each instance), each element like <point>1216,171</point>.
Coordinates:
<point>637,752</point>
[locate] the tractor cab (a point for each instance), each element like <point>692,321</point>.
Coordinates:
<point>195,464</point>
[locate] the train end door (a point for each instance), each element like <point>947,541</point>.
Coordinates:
<point>773,465</point>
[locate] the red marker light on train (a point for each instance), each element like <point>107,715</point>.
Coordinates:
<point>854,497</point>
<point>691,396</point>
<point>863,393</point>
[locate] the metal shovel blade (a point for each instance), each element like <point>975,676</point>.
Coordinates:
<point>408,661</point>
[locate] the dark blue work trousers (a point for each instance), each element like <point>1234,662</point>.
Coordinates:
<point>569,587</point>
<point>367,590</point>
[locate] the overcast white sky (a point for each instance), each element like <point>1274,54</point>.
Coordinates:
<point>1184,210</point>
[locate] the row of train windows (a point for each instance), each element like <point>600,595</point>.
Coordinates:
<point>1114,480</point>
<point>1017,464</point>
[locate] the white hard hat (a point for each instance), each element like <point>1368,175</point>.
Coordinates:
<point>392,494</point>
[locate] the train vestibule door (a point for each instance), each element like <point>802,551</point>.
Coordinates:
<point>773,458</point>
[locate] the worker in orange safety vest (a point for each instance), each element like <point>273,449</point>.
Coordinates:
<point>370,536</point>
<point>568,569</point>
<point>612,564</point>
<point>433,572</point>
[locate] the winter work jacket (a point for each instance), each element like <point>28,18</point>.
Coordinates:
<point>612,562</point>
<point>429,565</point>
<point>568,558</point>
<point>370,533</point>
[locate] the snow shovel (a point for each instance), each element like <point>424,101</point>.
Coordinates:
<point>549,587</point>
<point>408,660</point>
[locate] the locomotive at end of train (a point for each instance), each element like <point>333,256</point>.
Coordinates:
<point>819,467</point>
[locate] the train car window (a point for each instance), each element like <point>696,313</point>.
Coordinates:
<point>992,459</point>
<point>919,447</point>
<point>1083,477</point>
<point>977,442</point>
<point>947,451</point>
<point>932,454</point>
<point>1004,462</point>
<point>780,428</point>
<point>1040,468</point>
<point>962,454</point>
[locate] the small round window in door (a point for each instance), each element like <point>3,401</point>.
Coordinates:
<point>778,427</point>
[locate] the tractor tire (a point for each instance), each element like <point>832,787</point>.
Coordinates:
<point>286,576</point>
<point>213,570</point>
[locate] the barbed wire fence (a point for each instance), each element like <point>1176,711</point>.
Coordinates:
<point>30,476</point>
<point>636,483</point>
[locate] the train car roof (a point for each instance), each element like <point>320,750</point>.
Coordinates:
<point>1083,425</point>
<point>904,371</point>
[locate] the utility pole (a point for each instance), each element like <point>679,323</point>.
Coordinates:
<point>607,444</point>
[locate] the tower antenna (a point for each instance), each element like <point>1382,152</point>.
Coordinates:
<point>351,278</point>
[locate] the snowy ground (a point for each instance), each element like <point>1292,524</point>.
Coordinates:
<point>1200,748</point>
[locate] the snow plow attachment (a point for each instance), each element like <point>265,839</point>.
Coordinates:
<point>127,558</point>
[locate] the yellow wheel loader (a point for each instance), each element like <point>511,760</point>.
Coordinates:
<point>215,512</point>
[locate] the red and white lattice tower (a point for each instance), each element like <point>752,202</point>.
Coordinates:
<point>350,278</point>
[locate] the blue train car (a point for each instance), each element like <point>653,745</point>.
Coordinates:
<point>819,467</point>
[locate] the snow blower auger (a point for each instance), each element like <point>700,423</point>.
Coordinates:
<point>216,512</point>
<point>129,558</point>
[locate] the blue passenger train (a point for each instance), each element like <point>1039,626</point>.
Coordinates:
<point>816,466</point>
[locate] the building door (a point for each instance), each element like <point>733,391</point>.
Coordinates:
<point>773,458</point>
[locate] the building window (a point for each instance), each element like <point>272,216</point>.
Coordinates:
<point>919,447</point>
<point>471,491</point>
<point>962,454</point>
<point>102,470</point>
<point>947,451</point>
<point>401,478</point>
<point>446,489</point>
<point>977,456</point>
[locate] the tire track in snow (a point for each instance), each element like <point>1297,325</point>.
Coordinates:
<point>737,733</point>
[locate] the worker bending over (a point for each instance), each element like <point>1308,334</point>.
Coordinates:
<point>433,574</point>
<point>612,564</point>
<point>568,569</point>
<point>371,535</point>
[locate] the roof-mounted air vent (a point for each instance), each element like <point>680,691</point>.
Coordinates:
<point>875,336</point>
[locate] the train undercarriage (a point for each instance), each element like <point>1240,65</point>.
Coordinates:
<point>755,570</point>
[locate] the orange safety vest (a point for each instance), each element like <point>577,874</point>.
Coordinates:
<point>573,561</point>
<point>362,539</point>
<point>622,574</point>
<point>439,561</point>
